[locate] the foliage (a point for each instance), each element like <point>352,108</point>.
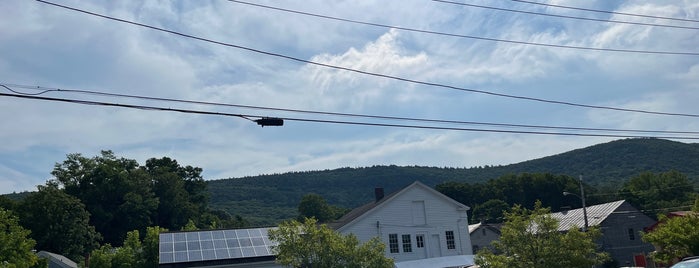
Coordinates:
<point>310,245</point>
<point>530,238</point>
<point>315,206</point>
<point>15,245</point>
<point>490,211</point>
<point>114,190</point>
<point>134,253</point>
<point>121,195</point>
<point>489,199</point>
<point>59,223</point>
<point>656,191</point>
<point>269,199</point>
<point>675,237</point>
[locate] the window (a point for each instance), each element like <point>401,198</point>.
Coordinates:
<point>420,241</point>
<point>450,240</point>
<point>393,243</point>
<point>632,235</point>
<point>407,244</point>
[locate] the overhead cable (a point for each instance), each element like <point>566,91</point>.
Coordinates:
<point>311,120</point>
<point>465,36</point>
<point>273,54</point>
<point>44,90</point>
<point>606,11</point>
<point>565,16</point>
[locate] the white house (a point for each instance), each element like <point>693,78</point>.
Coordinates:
<point>415,223</point>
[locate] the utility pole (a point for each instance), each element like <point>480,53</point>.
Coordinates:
<point>582,197</point>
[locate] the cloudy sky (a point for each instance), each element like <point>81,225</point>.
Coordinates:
<point>261,54</point>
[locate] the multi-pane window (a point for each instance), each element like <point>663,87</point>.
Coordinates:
<point>393,243</point>
<point>407,244</point>
<point>420,241</point>
<point>450,240</point>
<point>632,235</point>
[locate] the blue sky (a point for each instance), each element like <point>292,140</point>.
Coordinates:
<point>47,46</point>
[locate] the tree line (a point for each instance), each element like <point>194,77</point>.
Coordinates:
<point>93,202</point>
<point>652,193</point>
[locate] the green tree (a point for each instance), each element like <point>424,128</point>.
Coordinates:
<point>490,212</point>
<point>135,253</point>
<point>657,191</point>
<point>310,245</point>
<point>116,192</point>
<point>530,238</point>
<point>59,223</point>
<point>675,237</point>
<point>315,206</point>
<point>15,245</point>
<point>182,192</point>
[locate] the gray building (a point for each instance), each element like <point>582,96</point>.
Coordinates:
<point>483,235</point>
<point>621,225</point>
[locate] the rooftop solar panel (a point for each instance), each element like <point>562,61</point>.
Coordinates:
<point>214,245</point>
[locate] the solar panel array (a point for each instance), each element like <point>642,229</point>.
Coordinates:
<point>214,245</point>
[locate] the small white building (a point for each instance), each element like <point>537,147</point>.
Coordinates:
<point>415,223</point>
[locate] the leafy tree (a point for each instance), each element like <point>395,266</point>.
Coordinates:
<point>657,191</point>
<point>675,237</point>
<point>190,226</point>
<point>116,192</point>
<point>314,206</point>
<point>491,211</point>
<point>150,252</point>
<point>135,253</point>
<point>530,238</point>
<point>15,245</point>
<point>182,192</point>
<point>59,223</point>
<point>310,245</point>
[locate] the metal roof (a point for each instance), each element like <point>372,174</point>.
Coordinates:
<point>595,215</point>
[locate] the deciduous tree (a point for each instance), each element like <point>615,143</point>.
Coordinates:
<point>675,237</point>
<point>116,192</point>
<point>310,245</point>
<point>59,223</point>
<point>15,244</point>
<point>530,238</point>
<point>657,191</point>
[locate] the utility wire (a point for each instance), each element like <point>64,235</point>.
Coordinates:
<point>357,123</point>
<point>565,16</point>
<point>465,36</point>
<point>424,120</point>
<point>383,75</point>
<point>606,11</point>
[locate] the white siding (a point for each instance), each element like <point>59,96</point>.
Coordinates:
<point>395,216</point>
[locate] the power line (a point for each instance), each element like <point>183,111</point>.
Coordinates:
<point>423,120</point>
<point>566,16</point>
<point>378,74</point>
<point>356,123</point>
<point>465,36</point>
<point>606,11</point>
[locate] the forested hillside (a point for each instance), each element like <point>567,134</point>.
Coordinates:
<point>268,198</point>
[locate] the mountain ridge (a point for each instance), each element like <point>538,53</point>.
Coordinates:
<point>276,196</point>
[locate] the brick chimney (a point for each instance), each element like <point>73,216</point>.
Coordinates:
<point>378,193</point>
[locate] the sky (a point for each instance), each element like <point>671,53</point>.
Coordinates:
<point>413,59</point>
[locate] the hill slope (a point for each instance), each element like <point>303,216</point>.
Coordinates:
<point>267,199</point>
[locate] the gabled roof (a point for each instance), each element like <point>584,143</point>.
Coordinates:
<point>359,212</point>
<point>493,227</point>
<point>595,215</point>
<point>57,260</point>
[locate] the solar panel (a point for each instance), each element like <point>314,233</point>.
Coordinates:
<point>214,245</point>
